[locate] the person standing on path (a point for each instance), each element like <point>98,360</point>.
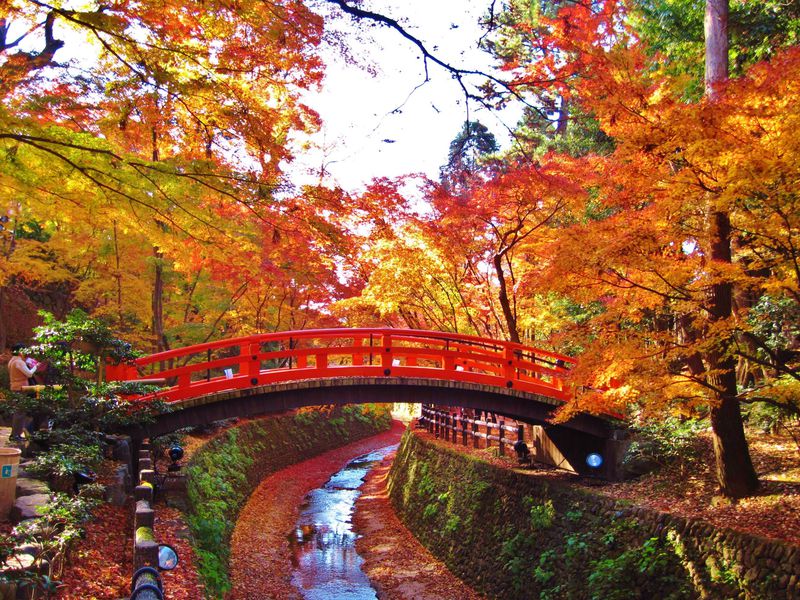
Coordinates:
<point>19,375</point>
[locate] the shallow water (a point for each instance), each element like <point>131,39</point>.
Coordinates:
<point>326,565</point>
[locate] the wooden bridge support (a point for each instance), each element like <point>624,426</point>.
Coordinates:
<point>567,449</point>
<point>555,445</point>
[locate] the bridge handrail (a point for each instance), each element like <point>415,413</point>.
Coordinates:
<point>345,333</point>
<point>396,352</point>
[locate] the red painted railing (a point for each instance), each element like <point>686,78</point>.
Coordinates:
<point>326,353</point>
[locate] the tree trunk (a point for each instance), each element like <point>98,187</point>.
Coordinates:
<point>716,32</point>
<point>118,277</point>
<point>157,303</point>
<point>734,467</point>
<point>563,118</point>
<point>505,302</point>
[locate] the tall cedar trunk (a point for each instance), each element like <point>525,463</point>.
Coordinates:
<point>563,118</point>
<point>118,277</point>
<point>734,468</point>
<point>505,302</point>
<point>157,302</point>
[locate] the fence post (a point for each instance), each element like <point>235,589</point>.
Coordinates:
<point>447,422</point>
<point>475,440</point>
<point>436,423</point>
<point>463,430</point>
<point>520,433</point>
<point>500,432</point>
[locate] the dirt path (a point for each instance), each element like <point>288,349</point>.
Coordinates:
<point>398,566</point>
<point>261,557</point>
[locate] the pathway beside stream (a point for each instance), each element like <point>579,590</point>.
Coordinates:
<point>398,566</point>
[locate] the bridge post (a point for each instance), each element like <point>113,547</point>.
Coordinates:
<point>358,357</point>
<point>508,366</point>
<point>253,364</point>
<point>386,355</point>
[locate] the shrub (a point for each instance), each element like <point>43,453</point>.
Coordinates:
<point>664,442</point>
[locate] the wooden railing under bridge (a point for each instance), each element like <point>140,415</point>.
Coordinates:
<point>453,427</point>
<point>270,358</point>
<point>541,441</point>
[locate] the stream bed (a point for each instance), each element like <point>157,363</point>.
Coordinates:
<point>326,565</point>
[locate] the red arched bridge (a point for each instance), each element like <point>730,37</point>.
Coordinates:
<point>273,372</point>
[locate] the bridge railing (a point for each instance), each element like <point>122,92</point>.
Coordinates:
<point>325,353</point>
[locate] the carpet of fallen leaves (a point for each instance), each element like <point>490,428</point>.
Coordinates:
<point>181,583</point>
<point>101,564</point>
<point>690,489</point>
<point>398,566</point>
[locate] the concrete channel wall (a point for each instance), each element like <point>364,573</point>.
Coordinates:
<point>513,535</point>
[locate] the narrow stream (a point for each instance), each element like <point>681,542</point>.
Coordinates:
<point>326,565</point>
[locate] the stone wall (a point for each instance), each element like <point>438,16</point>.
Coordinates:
<point>224,472</point>
<point>514,535</point>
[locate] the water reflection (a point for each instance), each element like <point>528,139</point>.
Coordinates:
<point>326,565</point>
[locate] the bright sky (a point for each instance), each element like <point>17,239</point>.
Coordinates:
<point>380,125</point>
<point>380,120</point>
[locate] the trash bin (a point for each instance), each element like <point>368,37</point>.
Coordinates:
<point>9,465</point>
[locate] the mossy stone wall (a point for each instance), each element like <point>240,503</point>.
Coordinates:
<point>225,471</point>
<point>513,535</point>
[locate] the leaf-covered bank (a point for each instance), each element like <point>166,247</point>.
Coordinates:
<point>223,473</point>
<point>511,534</point>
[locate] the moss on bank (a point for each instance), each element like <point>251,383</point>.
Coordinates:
<point>514,535</point>
<point>225,471</point>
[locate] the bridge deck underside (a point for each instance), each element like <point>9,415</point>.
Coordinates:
<point>578,437</point>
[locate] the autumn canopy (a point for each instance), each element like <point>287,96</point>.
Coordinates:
<point>645,219</point>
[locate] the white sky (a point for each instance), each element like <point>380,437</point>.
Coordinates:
<point>379,126</point>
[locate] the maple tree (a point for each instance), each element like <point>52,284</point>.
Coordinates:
<point>160,153</point>
<point>663,268</point>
